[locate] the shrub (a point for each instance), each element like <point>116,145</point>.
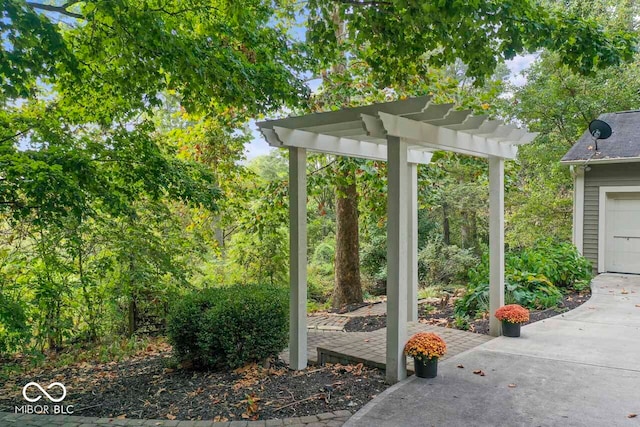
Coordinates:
<point>532,290</point>
<point>533,277</point>
<point>230,326</point>
<point>14,325</point>
<point>373,258</point>
<point>320,272</point>
<point>564,264</point>
<point>440,264</point>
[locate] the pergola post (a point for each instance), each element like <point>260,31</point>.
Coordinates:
<point>298,258</point>
<point>412,241</point>
<point>496,241</point>
<point>397,259</point>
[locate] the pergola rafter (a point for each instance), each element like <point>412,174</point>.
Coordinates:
<point>404,133</point>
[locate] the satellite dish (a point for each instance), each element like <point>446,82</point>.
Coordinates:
<point>599,129</point>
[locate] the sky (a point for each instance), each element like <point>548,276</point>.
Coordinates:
<point>258,146</point>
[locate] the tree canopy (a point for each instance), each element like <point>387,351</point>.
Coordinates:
<point>399,38</point>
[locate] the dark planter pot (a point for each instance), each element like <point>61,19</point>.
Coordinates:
<point>510,329</point>
<point>428,369</point>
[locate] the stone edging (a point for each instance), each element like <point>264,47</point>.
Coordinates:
<point>327,419</point>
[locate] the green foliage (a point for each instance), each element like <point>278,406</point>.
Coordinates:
<point>373,257</point>
<point>14,328</point>
<point>394,50</point>
<point>320,273</point>
<point>122,55</point>
<point>534,277</point>
<point>559,104</point>
<point>230,326</point>
<point>116,148</point>
<point>440,264</point>
<point>560,263</point>
<point>461,321</point>
<point>534,291</point>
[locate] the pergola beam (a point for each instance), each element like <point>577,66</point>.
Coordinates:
<point>407,106</point>
<point>284,137</point>
<point>441,138</point>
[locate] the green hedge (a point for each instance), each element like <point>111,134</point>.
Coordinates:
<point>230,326</point>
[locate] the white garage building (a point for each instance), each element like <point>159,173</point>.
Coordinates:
<point>606,213</point>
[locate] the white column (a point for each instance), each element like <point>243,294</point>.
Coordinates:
<point>412,240</point>
<point>397,260</point>
<point>496,241</point>
<point>298,258</point>
<point>578,206</point>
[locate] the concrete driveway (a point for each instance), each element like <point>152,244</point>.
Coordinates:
<point>581,368</point>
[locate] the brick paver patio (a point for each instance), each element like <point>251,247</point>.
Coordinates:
<point>369,347</point>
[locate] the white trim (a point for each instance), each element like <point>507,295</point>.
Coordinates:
<point>578,208</point>
<point>612,160</point>
<point>602,210</point>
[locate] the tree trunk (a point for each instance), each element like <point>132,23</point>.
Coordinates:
<point>132,315</point>
<point>347,289</point>
<point>446,232</point>
<point>91,320</point>
<point>132,325</point>
<point>465,230</point>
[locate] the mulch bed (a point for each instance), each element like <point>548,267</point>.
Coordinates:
<point>145,387</point>
<point>366,323</point>
<point>444,315</point>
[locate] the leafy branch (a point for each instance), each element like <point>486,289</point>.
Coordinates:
<point>58,9</point>
<point>366,3</point>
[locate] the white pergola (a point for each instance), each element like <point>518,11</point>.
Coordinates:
<point>404,133</point>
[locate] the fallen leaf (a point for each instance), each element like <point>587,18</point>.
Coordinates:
<point>637,305</point>
<point>220,419</point>
<point>479,372</point>
<point>171,417</point>
<point>632,415</point>
<point>121,417</point>
<point>461,366</point>
<point>624,292</point>
<point>366,340</point>
<point>512,386</point>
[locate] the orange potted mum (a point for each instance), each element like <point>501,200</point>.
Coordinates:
<point>512,316</point>
<point>425,348</point>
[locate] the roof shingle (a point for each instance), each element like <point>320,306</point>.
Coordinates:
<point>623,144</point>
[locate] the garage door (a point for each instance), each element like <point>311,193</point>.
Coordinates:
<point>622,250</point>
